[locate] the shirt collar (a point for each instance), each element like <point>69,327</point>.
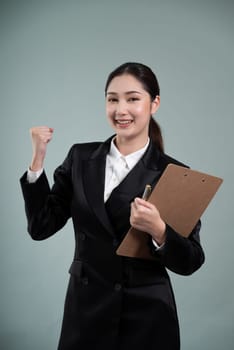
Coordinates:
<point>132,158</point>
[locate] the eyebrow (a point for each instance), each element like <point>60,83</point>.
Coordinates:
<point>126,93</point>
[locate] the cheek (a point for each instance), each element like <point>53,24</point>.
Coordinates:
<point>144,109</point>
<point>109,112</point>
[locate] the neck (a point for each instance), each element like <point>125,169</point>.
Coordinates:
<point>126,146</point>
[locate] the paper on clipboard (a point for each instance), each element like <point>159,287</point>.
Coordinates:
<point>181,196</point>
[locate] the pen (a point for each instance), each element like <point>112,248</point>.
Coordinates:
<point>147,192</point>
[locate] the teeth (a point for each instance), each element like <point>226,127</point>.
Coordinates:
<point>123,121</point>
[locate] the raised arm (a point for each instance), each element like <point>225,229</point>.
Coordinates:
<point>47,209</point>
<point>40,136</point>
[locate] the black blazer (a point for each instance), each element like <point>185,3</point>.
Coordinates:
<point>112,302</point>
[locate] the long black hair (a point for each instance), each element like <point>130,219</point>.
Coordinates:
<point>150,83</point>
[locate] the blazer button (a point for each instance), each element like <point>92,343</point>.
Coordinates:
<point>117,287</point>
<point>85,281</point>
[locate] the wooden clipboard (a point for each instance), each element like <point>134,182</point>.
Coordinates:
<point>181,196</point>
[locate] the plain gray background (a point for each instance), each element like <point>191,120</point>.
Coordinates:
<point>55,57</point>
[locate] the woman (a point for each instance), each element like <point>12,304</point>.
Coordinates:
<point>114,302</point>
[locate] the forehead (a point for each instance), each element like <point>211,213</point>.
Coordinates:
<point>125,83</point>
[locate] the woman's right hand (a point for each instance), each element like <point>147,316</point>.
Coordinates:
<point>40,136</point>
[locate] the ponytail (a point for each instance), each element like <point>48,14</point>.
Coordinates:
<point>155,134</point>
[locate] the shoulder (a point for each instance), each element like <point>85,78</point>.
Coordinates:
<point>157,160</point>
<point>89,150</point>
<point>83,150</point>
<point>80,152</point>
<point>165,159</point>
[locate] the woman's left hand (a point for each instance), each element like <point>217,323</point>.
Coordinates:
<point>146,217</point>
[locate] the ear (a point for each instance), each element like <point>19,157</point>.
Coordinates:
<point>155,104</point>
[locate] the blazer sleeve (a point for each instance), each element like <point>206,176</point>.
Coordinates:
<point>47,210</point>
<point>180,254</point>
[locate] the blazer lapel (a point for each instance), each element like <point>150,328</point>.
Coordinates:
<point>94,182</point>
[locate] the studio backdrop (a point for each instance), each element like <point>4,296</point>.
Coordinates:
<point>55,58</point>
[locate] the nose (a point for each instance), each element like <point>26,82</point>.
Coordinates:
<point>121,108</point>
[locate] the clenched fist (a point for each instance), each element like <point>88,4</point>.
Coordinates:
<point>40,136</point>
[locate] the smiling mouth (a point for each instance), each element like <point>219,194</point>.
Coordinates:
<point>123,122</point>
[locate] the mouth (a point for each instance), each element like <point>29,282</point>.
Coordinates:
<point>123,122</point>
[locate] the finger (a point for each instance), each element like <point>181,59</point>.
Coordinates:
<point>141,202</point>
<point>45,134</point>
<point>134,205</point>
<point>41,129</point>
<point>46,130</point>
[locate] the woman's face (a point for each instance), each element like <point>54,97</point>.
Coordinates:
<point>129,107</point>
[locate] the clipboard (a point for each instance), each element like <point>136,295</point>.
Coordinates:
<point>181,196</point>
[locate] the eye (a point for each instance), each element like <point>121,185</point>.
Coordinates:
<point>112,99</point>
<point>133,99</point>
